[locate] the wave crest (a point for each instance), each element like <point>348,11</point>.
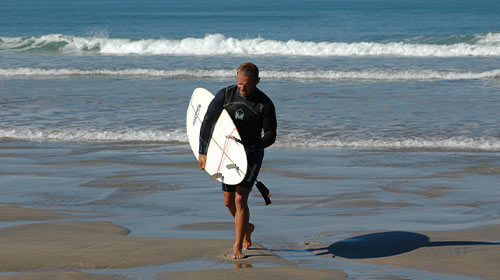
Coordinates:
<point>453,143</point>
<point>287,141</point>
<point>217,44</point>
<point>92,135</point>
<point>420,75</point>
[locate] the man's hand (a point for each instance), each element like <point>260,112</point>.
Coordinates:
<point>202,161</point>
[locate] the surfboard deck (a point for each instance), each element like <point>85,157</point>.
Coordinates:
<point>226,156</point>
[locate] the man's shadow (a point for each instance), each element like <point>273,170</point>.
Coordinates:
<point>385,244</point>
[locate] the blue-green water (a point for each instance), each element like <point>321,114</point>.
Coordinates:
<point>390,101</point>
<point>357,73</point>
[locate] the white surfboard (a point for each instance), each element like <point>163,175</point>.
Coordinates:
<point>226,156</point>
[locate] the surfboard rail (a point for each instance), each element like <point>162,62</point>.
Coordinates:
<point>226,155</point>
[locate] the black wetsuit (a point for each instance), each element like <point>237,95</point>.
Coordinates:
<point>255,118</point>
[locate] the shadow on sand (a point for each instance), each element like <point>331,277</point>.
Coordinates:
<point>385,244</point>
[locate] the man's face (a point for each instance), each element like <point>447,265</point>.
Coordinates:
<point>246,84</point>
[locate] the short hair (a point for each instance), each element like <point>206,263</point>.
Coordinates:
<point>249,69</point>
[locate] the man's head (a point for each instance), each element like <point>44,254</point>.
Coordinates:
<point>247,78</point>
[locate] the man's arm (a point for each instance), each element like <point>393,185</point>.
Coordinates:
<point>269,125</point>
<point>213,112</point>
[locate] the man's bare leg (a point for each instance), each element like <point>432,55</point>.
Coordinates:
<point>229,201</point>
<point>241,218</point>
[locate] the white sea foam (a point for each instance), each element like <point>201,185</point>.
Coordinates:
<point>217,44</point>
<point>461,143</point>
<point>135,72</point>
<point>284,141</point>
<point>83,135</point>
<point>489,39</point>
<point>270,75</point>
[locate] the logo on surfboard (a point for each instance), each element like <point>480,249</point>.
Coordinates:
<point>196,113</point>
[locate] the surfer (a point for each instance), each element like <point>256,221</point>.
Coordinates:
<point>254,116</point>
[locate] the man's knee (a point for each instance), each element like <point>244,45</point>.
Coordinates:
<point>229,199</point>
<point>241,197</point>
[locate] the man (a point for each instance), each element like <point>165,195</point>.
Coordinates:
<point>254,115</point>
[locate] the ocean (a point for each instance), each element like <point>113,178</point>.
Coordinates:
<point>395,102</point>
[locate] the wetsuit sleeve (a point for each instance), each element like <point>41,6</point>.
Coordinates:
<point>213,112</point>
<point>269,126</point>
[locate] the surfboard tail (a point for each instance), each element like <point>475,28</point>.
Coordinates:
<point>264,191</point>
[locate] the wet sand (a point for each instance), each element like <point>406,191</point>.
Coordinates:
<point>12,213</point>
<point>473,252</point>
<point>278,273</point>
<point>126,214</point>
<point>62,250</point>
<point>48,250</point>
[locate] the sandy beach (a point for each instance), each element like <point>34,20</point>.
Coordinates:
<point>53,248</point>
<point>65,249</point>
<point>472,252</point>
<point>386,163</point>
<point>132,214</point>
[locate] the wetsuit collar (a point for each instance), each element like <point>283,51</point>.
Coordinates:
<point>254,93</point>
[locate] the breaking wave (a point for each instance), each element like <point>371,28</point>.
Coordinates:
<point>454,143</point>
<point>93,135</point>
<point>419,75</point>
<point>487,44</point>
<point>287,141</point>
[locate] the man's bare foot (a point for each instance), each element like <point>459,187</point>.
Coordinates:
<point>247,239</point>
<point>237,252</point>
